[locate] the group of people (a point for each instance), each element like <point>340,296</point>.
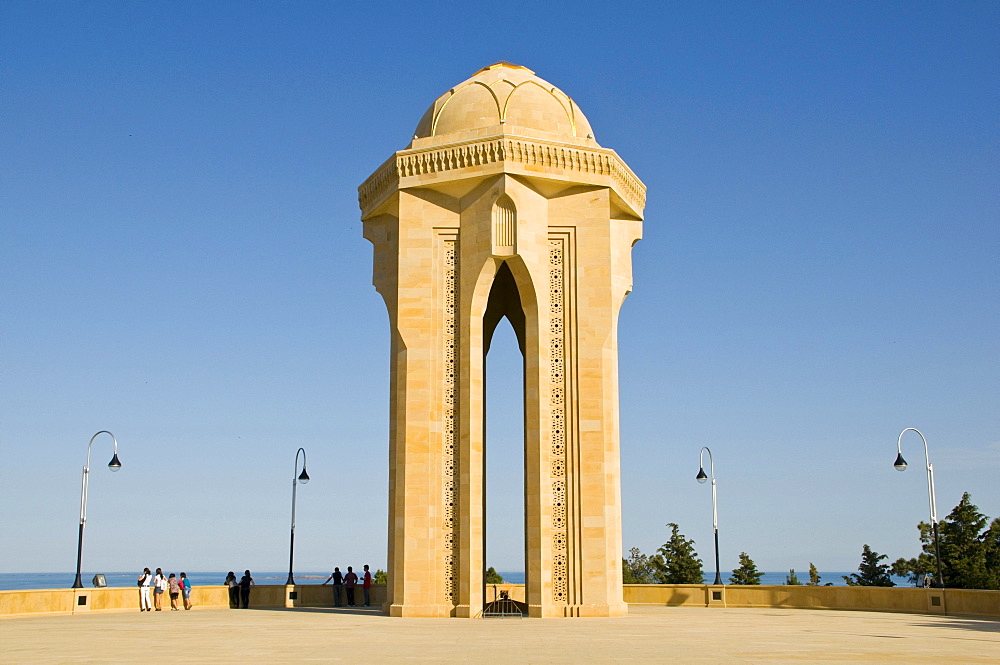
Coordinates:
<point>348,583</point>
<point>160,584</point>
<point>239,591</point>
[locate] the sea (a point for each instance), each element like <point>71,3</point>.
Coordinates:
<point>15,581</point>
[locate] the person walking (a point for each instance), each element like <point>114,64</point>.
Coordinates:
<point>186,590</point>
<point>367,586</point>
<point>338,586</point>
<point>175,591</point>
<point>159,585</point>
<point>234,590</point>
<point>145,577</point>
<point>245,583</point>
<point>350,581</point>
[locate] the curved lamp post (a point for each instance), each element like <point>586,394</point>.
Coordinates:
<point>114,465</point>
<point>701,478</point>
<point>900,465</point>
<point>303,478</point>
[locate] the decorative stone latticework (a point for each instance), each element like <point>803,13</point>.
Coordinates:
<point>557,405</point>
<point>449,379</point>
<point>503,206</point>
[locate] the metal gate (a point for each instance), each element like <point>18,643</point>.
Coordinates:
<point>503,607</point>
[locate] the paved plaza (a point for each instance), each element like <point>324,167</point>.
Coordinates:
<point>646,635</point>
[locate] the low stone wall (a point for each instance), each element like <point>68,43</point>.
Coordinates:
<point>73,601</point>
<point>672,595</point>
<point>310,595</point>
<point>125,599</point>
<point>954,602</point>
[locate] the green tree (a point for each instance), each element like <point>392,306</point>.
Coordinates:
<point>964,548</point>
<point>873,573</point>
<point>792,579</point>
<point>381,577</point>
<point>747,573</point>
<point>493,577</point>
<point>639,568</point>
<point>677,562</point>
<point>970,552</point>
<point>991,540</point>
<point>813,575</point>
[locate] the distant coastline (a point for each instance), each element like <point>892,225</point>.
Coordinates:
<point>21,581</point>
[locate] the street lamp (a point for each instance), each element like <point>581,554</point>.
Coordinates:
<point>900,465</point>
<point>701,478</point>
<point>303,478</point>
<point>114,465</point>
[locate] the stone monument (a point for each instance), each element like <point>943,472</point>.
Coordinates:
<point>503,205</point>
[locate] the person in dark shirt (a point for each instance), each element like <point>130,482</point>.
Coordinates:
<point>338,586</point>
<point>245,583</point>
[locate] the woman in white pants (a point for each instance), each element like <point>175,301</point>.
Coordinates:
<point>144,580</point>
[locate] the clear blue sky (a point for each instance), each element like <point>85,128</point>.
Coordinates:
<point>181,262</point>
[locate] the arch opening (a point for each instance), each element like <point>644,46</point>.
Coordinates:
<point>505,500</point>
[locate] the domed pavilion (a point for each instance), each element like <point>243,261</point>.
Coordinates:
<point>503,205</point>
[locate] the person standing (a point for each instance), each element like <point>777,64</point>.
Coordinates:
<point>350,581</point>
<point>159,585</point>
<point>175,591</point>
<point>367,586</point>
<point>186,590</point>
<point>144,579</point>
<point>245,583</point>
<point>234,590</point>
<point>338,586</point>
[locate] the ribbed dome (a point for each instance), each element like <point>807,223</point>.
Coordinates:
<point>509,95</point>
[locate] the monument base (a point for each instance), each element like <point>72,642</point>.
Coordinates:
<point>427,611</point>
<point>550,611</point>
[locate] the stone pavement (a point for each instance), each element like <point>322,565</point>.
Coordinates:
<point>647,635</point>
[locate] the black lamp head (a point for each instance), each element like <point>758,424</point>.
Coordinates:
<point>900,463</point>
<point>115,464</point>
<point>303,477</point>
<point>701,477</point>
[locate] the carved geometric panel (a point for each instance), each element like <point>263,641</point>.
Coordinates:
<point>557,405</point>
<point>449,379</point>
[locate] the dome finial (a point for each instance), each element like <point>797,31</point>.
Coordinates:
<point>503,63</point>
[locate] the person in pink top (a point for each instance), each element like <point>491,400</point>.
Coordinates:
<point>175,591</point>
<point>350,581</point>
